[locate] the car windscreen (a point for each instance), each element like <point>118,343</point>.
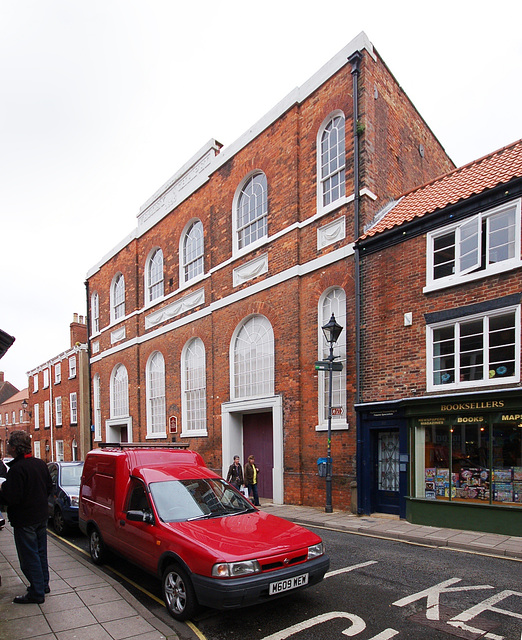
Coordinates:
<point>71,476</point>
<point>178,500</point>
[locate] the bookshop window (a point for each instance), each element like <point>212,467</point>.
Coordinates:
<point>470,462</point>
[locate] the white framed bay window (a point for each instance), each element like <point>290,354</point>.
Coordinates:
<point>475,350</point>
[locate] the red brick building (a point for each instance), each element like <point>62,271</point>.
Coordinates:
<point>59,402</point>
<point>13,416</point>
<point>205,322</point>
<point>440,408</point>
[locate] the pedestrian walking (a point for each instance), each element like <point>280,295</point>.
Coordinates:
<point>235,473</point>
<point>25,493</point>
<point>251,473</point>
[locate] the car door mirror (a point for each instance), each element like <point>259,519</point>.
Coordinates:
<point>140,516</point>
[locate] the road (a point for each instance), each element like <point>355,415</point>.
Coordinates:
<point>375,590</point>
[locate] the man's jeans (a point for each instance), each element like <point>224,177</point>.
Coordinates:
<point>31,546</point>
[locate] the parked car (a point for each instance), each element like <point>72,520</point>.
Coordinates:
<point>64,498</point>
<point>164,510</point>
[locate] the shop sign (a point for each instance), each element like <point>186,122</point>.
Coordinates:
<point>467,406</point>
<point>430,422</point>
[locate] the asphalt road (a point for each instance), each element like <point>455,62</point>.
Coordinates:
<point>375,590</point>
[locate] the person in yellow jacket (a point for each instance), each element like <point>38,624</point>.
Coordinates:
<point>251,473</point>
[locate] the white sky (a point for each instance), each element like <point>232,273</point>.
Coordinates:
<point>101,102</point>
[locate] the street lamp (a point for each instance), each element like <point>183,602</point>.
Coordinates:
<point>331,330</point>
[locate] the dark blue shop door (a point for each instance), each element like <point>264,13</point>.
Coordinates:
<point>385,480</point>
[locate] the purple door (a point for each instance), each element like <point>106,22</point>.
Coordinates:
<point>258,440</point>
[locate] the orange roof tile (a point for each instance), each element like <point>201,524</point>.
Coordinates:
<point>497,168</point>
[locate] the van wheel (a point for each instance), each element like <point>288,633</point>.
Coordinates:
<point>97,547</point>
<point>178,593</point>
<point>58,522</point>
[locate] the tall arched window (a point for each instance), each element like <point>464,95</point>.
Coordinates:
<point>154,275</point>
<point>331,161</point>
<point>118,297</point>
<point>253,359</point>
<point>95,313</point>
<point>194,384</point>
<point>156,412</point>
<point>119,392</point>
<point>97,407</point>
<point>333,301</point>
<point>252,211</point>
<point>192,250</point>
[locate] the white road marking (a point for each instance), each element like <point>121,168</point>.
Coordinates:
<point>347,569</point>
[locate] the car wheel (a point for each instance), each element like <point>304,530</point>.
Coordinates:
<point>58,522</point>
<point>97,547</point>
<point>178,593</point>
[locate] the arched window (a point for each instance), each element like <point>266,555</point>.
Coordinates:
<point>333,301</point>
<point>192,249</point>
<point>331,161</point>
<point>118,297</point>
<point>193,380</point>
<point>253,359</point>
<point>252,211</point>
<point>154,275</point>
<point>95,313</point>
<point>156,413</point>
<point>119,392</point>
<point>97,407</point>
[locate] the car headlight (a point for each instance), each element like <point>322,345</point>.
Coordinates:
<point>235,569</point>
<point>316,550</point>
<point>75,501</point>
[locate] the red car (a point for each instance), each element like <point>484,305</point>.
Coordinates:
<point>164,510</point>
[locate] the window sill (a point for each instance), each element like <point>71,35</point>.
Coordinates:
<point>452,281</point>
<point>336,426</point>
<point>200,433</point>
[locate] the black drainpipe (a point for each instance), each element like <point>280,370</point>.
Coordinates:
<point>355,60</point>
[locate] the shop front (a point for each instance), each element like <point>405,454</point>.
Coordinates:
<point>466,462</point>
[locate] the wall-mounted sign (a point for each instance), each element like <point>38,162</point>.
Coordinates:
<point>173,424</point>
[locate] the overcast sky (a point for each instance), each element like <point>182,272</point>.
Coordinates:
<point>103,101</point>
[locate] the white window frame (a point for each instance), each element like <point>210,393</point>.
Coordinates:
<point>57,373</point>
<point>154,277</point>
<point>333,300</point>
<point>58,414</point>
<point>468,243</point>
<point>37,452</point>
<point>35,383</point>
<point>194,389</point>
<point>252,355</point>
<point>73,406</point>
<point>47,414</point>
<point>97,407</point>
<point>60,456</point>
<point>236,227</point>
<point>36,413</point>
<point>72,367</point>
<point>486,380</point>
<point>95,313</point>
<point>45,379</point>
<point>13,416</point>
<point>119,404</point>
<point>192,252</point>
<point>118,297</point>
<point>339,170</point>
<point>156,401</point>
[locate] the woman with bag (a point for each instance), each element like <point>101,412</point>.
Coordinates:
<point>235,474</point>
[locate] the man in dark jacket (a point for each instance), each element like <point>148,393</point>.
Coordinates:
<point>25,493</point>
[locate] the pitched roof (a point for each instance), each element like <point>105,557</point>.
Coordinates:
<point>485,173</point>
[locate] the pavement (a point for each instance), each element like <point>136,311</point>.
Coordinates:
<point>87,604</point>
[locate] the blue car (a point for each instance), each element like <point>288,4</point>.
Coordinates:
<point>63,501</point>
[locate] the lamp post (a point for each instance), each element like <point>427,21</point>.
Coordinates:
<point>29,413</point>
<point>332,331</point>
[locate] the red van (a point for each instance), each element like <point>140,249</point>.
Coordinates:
<point>164,510</point>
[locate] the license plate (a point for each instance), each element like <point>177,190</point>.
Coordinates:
<point>288,584</point>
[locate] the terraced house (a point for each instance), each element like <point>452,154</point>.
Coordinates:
<point>205,321</point>
<point>440,410</point>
